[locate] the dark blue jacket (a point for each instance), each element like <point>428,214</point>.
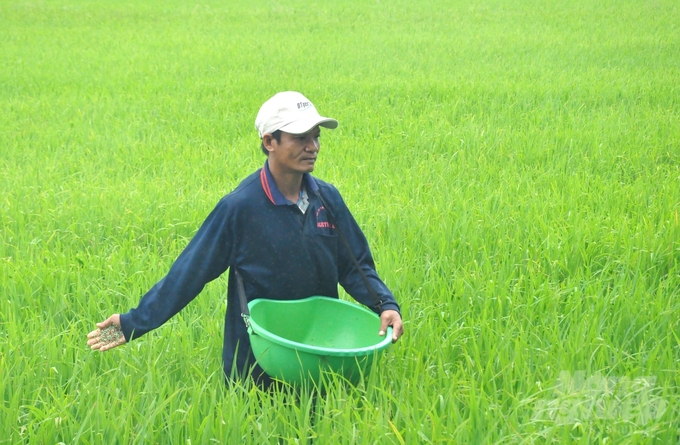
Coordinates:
<point>280,252</point>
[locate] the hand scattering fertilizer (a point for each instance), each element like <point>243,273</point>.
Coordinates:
<point>110,334</point>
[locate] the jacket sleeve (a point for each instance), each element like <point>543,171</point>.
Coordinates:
<point>349,277</point>
<point>205,258</point>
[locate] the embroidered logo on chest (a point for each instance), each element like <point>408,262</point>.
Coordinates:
<point>322,219</point>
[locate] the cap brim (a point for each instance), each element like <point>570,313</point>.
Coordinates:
<point>303,126</point>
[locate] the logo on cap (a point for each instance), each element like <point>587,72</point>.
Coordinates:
<point>303,105</point>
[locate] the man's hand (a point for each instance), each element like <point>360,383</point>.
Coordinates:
<point>391,318</point>
<point>107,336</point>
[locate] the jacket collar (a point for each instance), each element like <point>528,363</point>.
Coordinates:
<point>273,193</point>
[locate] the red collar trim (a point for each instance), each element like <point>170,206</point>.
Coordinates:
<point>265,185</point>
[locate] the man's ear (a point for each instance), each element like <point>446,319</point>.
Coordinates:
<point>268,141</point>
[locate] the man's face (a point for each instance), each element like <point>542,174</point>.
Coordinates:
<point>296,153</point>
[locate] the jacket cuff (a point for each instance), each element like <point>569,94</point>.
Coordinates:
<point>390,306</point>
<point>125,326</point>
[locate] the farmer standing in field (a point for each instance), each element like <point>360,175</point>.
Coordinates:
<point>275,232</point>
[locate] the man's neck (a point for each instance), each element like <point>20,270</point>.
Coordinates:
<point>288,183</point>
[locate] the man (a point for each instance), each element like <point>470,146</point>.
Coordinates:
<point>274,230</point>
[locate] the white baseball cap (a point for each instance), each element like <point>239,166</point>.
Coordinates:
<point>290,112</point>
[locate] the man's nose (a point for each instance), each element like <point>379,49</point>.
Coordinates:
<point>312,144</point>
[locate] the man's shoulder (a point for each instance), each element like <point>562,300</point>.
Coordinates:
<point>247,188</point>
<point>331,195</point>
<point>244,195</point>
<point>326,188</point>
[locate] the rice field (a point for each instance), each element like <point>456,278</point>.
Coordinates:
<point>515,166</point>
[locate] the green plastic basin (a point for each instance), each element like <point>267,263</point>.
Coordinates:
<point>296,340</point>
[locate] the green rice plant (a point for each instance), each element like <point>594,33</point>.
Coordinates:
<point>514,164</point>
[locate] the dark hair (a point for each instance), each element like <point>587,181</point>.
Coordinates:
<point>276,135</point>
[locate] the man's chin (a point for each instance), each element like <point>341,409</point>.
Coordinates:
<point>308,168</point>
